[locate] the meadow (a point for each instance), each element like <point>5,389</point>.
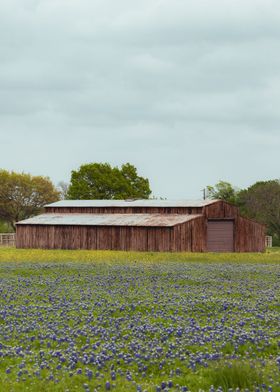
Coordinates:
<point>117,321</point>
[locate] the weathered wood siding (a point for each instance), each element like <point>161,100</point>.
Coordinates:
<point>190,236</point>
<point>124,210</point>
<point>199,235</point>
<point>95,237</point>
<point>221,209</point>
<point>249,236</point>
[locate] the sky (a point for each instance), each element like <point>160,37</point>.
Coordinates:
<point>188,91</point>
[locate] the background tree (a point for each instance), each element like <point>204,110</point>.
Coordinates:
<point>23,195</point>
<point>63,188</point>
<point>102,181</point>
<point>224,191</point>
<point>5,227</point>
<point>261,201</point>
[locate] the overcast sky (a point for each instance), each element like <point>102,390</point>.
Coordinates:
<point>186,90</point>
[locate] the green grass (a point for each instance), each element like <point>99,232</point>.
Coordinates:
<point>238,375</point>
<point>272,255</point>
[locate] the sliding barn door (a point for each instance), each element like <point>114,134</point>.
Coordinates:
<point>220,236</point>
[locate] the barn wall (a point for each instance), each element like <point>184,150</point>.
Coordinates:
<point>190,236</point>
<point>124,210</point>
<point>249,236</point>
<point>220,210</point>
<point>92,237</point>
<point>182,238</point>
<point>199,235</point>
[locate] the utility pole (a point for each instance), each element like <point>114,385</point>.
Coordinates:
<point>204,193</point>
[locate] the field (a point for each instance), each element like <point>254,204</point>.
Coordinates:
<point>86,321</point>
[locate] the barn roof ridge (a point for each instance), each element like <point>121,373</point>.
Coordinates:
<point>73,219</point>
<point>132,203</point>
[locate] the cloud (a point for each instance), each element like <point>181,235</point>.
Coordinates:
<point>188,91</point>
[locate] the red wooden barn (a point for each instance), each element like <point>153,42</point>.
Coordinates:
<point>142,225</point>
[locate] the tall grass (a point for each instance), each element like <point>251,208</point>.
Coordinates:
<point>236,375</point>
<point>40,255</point>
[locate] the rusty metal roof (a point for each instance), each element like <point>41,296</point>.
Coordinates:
<point>131,203</point>
<point>153,220</point>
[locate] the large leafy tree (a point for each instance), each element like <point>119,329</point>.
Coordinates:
<point>261,201</point>
<point>102,181</point>
<point>223,190</point>
<point>23,195</point>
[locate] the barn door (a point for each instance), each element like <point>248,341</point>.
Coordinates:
<point>220,236</point>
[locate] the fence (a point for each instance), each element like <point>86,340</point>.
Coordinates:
<point>7,239</point>
<point>268,241</point>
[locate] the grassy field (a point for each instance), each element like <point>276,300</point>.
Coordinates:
<point>272,255</point>
<point>86,321</point>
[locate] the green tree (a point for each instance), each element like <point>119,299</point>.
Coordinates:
<point>5,227</point>
<point>23,195</point>
<point>62,188</point>
<point>224,191</point>
<point>102,181</point>
<point>261,201</point>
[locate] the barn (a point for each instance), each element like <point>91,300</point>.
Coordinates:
<point>142,225</point>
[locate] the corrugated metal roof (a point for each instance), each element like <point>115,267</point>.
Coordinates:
<point>132,203</point>
<point>156,220</point>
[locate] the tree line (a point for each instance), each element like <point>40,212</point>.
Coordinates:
<point>23,195</point>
